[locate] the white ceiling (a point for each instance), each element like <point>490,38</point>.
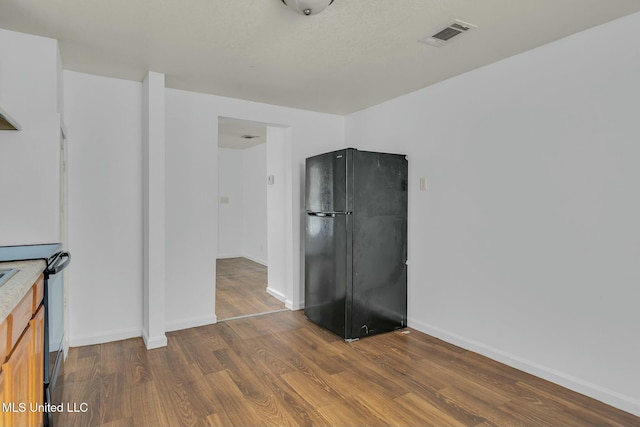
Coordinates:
<point>355,54</point>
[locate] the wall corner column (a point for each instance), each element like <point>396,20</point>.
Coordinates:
<point>153,147</point>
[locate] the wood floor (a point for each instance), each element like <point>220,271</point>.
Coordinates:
<point>241,289</point>
<point>279,370</point>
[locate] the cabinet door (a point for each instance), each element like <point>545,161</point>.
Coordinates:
<point>36,366</point>
<point>17,375</point>
<point>4,340</point>
<point>5,419</point>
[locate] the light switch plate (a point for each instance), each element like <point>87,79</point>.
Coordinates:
<point>423,183</point>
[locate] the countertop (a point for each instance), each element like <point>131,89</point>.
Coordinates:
<point>17,287</point>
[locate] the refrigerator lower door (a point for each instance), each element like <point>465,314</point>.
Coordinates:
<point>326,278</point>
<point>379,289</point>
<point>379,299</point>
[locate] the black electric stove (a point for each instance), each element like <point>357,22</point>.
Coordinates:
<point>29,252</point>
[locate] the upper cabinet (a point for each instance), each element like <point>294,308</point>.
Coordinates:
<point>6,122</point>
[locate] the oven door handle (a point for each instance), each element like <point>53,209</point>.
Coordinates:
<point>62,261</point>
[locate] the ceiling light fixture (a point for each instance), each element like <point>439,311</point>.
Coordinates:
<point>308,7</point>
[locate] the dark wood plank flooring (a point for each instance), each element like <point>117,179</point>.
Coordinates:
<point>241,289</point>
<point>281,370</point>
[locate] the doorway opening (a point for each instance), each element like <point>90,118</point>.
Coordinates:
<point>242,261</point>
<point>241,289</point>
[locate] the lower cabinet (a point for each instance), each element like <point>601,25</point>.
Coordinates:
<point>3,398</point>
<point>36,366</point>
<point>22,374</point>
<point>16,370</point>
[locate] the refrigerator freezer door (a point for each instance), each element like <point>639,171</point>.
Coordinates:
<point>326,278</point>
<point>379,244</point>
<point>326,182</point>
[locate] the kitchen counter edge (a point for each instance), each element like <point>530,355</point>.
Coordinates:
<point>17,287</point>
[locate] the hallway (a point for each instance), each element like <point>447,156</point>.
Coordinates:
<point>241,289</point>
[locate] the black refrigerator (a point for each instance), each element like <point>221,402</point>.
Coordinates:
<point>356,242</point>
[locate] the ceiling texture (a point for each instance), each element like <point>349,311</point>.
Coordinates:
<point>355,54</point>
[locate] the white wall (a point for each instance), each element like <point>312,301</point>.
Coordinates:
<point>191,172</point>
<point>254,212</point>
<point>278,197</point>
<point>192,193</point>
<point>242,228</point>
<point>525,245</point>
<point>105,201</point>
<point>103,117</point>
<point>30,157</point>
<point>231,220</point>
<point>242,231</point>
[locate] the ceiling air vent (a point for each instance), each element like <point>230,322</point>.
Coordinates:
<point>445,34</point>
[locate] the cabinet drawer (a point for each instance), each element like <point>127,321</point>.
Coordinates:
<point>20,316</point>
<point>4,340</point>
<point>38,293</point>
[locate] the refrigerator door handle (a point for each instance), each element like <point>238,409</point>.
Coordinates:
<point>327,214</point>
<point>58,263</point>
<point>322,214</point>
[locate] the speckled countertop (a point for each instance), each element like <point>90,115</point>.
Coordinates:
<point>17,287</point>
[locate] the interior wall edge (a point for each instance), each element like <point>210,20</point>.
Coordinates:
<point>610,397</point>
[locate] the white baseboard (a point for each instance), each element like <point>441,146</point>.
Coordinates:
<point>193,322</point>
<point>287,302</point>
<point>610,397</point>
<point>259,261</point>
<point>150,342</point>
<point>277,294</point>
<point>298,305</point>
<point>109,336</point>
<point>227,256</point>
<point>154,342</point>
